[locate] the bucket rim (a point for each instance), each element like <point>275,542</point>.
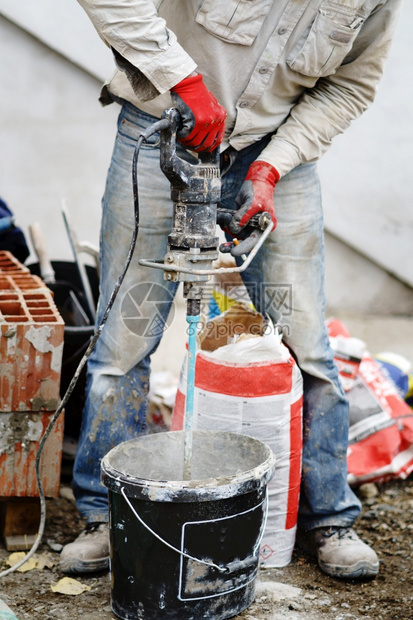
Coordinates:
<point>205,489</point>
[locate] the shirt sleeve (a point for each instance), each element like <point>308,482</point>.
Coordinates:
<point>134,29</point>
<point>328,108</point>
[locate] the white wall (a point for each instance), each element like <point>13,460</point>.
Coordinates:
<point>355,285</point>
<point>55,139</point>
<point>367,174</point>
<point>64,26</point>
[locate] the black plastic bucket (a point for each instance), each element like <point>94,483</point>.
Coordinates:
<point>186,550</point>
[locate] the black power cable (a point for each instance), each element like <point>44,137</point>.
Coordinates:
<point>154,128</point>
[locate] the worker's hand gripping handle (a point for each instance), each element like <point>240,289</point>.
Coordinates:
<point>248,238</point>
<point>178,171</point>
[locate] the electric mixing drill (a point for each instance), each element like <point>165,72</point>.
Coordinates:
<point>193,245</point>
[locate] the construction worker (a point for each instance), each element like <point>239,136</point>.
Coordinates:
<point>272,82</point>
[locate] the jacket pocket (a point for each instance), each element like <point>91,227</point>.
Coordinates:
<point>234,21</point>
<point>322,49</point>
<point>130,128</point>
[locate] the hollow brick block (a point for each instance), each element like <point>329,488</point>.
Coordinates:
<point>31,346</point>
<point>20,434</point>
<point>10,265</point>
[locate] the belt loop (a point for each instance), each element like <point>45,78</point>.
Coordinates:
<point>226,159</point>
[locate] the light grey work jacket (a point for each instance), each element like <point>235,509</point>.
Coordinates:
<point>301,69</point>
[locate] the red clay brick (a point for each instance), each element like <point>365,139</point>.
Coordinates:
<point>10,283</point>
<point>20,433</point>
<point>31,345</point>
<point>9,264</point>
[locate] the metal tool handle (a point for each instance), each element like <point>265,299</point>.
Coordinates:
<point>178,171</point>
<point>260,220</point>
<point>37,238</point>
<point>80,266</point>
<point>161,265</point>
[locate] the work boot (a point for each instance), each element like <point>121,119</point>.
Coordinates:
<point>340,552</point>
<point>89,553</point>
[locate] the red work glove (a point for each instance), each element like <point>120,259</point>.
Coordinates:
<point>256,195</point>
<point>203,118</point>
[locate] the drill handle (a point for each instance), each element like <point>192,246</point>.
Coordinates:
<point>174,168</point>
<point>211,158</point>
<point>177,170</point>
<point>260,220</point>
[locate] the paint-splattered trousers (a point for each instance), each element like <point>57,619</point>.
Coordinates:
<point>289,267</point>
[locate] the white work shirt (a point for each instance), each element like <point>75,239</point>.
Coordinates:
<point>299,69</point>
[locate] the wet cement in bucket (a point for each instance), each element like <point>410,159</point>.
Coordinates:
<point>186,549</point>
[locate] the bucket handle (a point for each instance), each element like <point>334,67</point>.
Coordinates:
<point>264,524</point>
<point>221,569</point>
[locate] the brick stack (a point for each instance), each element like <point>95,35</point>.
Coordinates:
<point>31,346</point>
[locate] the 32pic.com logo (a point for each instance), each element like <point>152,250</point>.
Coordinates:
<point>147,309</point>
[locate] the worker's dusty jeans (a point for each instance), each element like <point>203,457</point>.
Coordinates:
<point>286,280</point>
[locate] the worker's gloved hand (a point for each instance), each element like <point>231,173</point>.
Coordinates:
<point>255,196</point>
<point>203,118</point>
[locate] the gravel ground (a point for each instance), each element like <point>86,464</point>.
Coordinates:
<point>298,592</point>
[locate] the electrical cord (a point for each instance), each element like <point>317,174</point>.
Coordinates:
<point>154,128</point>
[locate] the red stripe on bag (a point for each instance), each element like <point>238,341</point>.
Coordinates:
<point>177,422</point>
<point>244,381</point>
<point>296,443</point>
<point>370,457</point>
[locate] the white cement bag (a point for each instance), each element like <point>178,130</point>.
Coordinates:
<point>254,387</point>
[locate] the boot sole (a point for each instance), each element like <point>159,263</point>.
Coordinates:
<point>74,565</point>
<point>359,570</point>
